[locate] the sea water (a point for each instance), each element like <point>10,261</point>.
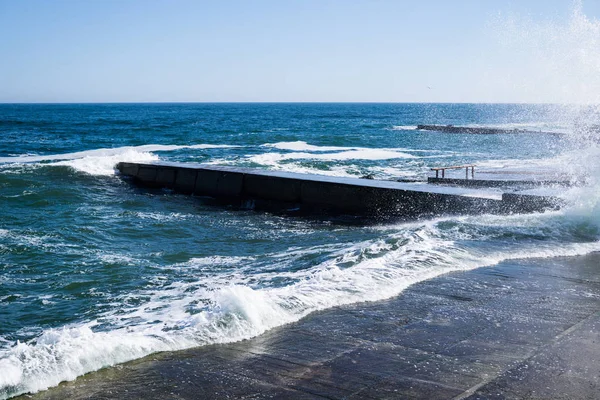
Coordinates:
<point>95,271</point>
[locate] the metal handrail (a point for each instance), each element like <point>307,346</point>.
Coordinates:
<point>443,169</point>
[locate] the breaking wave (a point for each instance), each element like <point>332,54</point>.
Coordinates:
<point>103,161</point>
<point>246,301</point>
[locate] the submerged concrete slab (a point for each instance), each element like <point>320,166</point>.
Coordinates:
<point>520,329</point>
<point>325,193</point>
<point>521,178</point>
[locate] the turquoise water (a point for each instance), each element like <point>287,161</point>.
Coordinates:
<point>94,271</point>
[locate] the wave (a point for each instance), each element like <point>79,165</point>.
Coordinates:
<point>106,152</point>
<point>103,161</point>
<point>366,154</point>
<point>104,165</point>
<point>303,146</point>
<point>334,161</point>
<point>236,305</point>
<point>272,163</point>
<point>302,162</point>
<point>324,160</point>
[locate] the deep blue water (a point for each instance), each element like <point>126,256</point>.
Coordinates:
<point>94,271</point>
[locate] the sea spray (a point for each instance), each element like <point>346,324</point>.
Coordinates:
<point>583,201</point>
<point>551,61</point>
<point>558,61</point>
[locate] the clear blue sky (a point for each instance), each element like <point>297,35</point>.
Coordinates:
<point>287,50</point>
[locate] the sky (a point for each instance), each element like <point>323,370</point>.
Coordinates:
<point>541,51</point>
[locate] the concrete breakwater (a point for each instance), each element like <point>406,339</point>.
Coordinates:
<point>476,130</point>
<point>262,189</point>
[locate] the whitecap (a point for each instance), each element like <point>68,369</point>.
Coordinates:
<point>103,161</point>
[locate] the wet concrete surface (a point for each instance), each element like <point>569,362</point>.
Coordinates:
<point>553,181</point>
<point>523,329</point>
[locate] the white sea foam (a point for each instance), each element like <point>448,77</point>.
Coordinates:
<point>106,152</point>
<point>163,217</point>
<point>217,260</point>
<point>105,164</point>
<point>273,163</point>
<point>297,162</point>
<point>46,299</point>
<point>303,146</point>
<point>404,127</point>
<point>366,154</point>
<point>117,258</point>
<point>103,161</point>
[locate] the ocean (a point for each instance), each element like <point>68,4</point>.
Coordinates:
<point>95,271</point>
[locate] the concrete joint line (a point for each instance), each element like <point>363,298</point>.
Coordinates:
<point>471,391</point>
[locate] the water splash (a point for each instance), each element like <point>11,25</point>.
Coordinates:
<point>552,61</point>
<point>558,61</point>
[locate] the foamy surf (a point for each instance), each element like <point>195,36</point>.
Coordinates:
<point>106,152</point>
<point>341,161</point>
<point>301,146</point>
<point>238,305</point>
<point>103,161</point>
<point>365,154</point>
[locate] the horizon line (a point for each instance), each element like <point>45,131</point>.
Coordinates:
<point>289,102</point>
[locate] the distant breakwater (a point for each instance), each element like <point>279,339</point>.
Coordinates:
<point>476,130</point>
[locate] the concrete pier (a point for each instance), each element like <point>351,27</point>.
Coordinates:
<point>262,189</point>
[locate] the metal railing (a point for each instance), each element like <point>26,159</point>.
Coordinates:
<point>466,167</point>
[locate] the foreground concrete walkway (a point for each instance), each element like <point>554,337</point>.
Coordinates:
<point>522,329</point>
